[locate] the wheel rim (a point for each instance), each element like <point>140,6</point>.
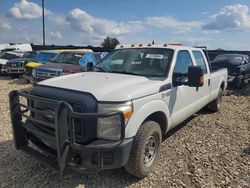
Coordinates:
<point>150,150</point>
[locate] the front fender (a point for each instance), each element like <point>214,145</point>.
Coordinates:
<point>142,111</point>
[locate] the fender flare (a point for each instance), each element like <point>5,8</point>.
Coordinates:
<point>143,112</point>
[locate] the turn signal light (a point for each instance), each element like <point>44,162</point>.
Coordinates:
<point>201,80</point>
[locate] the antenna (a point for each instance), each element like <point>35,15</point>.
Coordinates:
<point>43,23</point>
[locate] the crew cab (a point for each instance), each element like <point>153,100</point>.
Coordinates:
<point>238,66</point>
<point>117,115</point>
<point>15,67</point>
<point>5,56</point>
<point>64,63</point>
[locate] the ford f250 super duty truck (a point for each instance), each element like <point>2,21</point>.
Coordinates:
<point>118,115</point>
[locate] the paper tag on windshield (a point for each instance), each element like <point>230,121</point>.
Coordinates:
<point>76,55</point>
<point>154,56</point>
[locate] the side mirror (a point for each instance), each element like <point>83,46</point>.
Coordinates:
<point>195,76</point>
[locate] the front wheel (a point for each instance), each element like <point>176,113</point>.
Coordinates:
<point>145,150</point>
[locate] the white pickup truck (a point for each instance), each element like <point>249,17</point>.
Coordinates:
<point>117,115</point>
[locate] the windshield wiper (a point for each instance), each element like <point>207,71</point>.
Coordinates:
<point>125,72</point>
<point>100,68</point>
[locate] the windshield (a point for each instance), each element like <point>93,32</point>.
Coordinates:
<point>29,55</point>
<point>8,56</point>
<point>44,56</point>
<point>68,57</point>
<point>149,62</point>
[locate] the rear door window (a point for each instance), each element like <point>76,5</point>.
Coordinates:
<point>200,60</point>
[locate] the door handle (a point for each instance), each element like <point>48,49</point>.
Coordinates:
<point>209,82</point>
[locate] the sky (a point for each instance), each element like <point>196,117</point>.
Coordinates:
<point>216,24</point>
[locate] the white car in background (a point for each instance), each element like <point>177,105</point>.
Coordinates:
<point>5,56</point>
<point>15,47</point>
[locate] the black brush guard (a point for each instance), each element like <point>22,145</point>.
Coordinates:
<point>65,143</point>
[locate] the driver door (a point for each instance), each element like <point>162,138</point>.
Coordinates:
<point>182,97</point>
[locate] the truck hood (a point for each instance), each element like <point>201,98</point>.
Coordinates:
<point>61,66</point>
<point>107,86</point>
<point>19,60</point>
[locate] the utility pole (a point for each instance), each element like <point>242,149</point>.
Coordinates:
<point>43,23</point>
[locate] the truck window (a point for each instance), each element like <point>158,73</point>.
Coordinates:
<point>200,60</point>
<point>183,62</point>
<point>148,62</point>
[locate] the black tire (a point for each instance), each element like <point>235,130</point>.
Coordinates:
<point>214,106</point>
<point>239,82</point>
<point>140,151</point>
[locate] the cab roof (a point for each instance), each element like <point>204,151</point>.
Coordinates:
<point>167,46</point>
<point>66,50</point>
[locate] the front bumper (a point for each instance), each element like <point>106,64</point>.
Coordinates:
<point>69,154</point>
<point>3,69</point>
<point>15,70</point>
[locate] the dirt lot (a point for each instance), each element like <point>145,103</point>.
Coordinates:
<point>208,150</point>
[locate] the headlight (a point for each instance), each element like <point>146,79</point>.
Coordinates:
<point>34,72</point>
<point>110,128</point>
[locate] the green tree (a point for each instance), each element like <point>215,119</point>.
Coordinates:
<point>110,43</point>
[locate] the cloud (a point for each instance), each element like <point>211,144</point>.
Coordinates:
<point>27,10</point>
<point>169,22</point>
<point>59,20</point>
<point>5,26</point>
<point>55,35</point>
<point>233,17</point>
<point>83,22</point>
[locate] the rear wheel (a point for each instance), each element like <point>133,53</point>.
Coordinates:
<point>145,150</point>
<point>215,104</point>
<point>239,81</point>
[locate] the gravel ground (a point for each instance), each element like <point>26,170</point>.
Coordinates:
<point>208,150</point>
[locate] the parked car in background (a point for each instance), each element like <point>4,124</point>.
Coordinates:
<point>16,47</point>
<point>5,56</point>
<point>118,116</point>
<point>100,55</point>
<point>65,63</point>
<point>16,67</point>
<point>238,66</point>
<point>41,57</point>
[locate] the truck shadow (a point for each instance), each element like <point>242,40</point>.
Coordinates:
<point>179,127</point>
